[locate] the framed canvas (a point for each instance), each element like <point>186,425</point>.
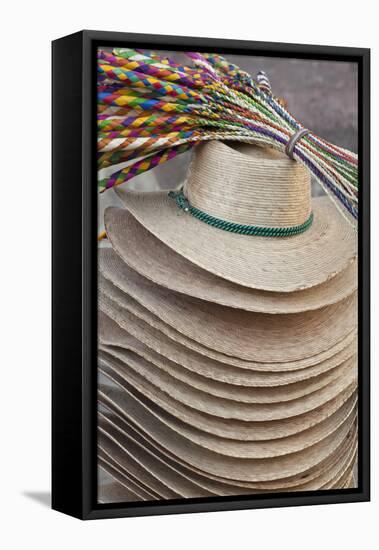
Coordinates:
<point>210,275</point>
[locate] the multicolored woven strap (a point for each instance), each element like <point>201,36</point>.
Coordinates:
<point>151,109</point>
<point>239,228</point>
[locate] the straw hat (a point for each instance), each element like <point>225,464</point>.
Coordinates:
<point>243,469</point>
<point>257,375</point>
<point>184,351</point>
<point>151,469</point>
<point>245,449</point>
<point>330,469</point>
<point>150,257</point>
<point>207,327</point>
<point>258,188</point>
<point>135,489</point>
<point>159,484</point>
<point>136,353</point>
<point>233,429</point>
<point>228,361</point>
<point>325,471</point>
<point>156,386</point>
<point>138,490</point>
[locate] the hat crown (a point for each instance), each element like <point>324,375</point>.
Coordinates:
<point>249,185</point>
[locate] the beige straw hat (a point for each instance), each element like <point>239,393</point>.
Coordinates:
<point>244,469</point>
<point>255,336</point>
<point>227,361</point>
<point>150,257</point>
<point>343,478</point>
<point>312,479</point>
<point>252,430</point>
<point>155,478</point>
<point>150,468</point>
<point>112,487</point>
<point>108,449</point>
<point>138,354</point>
<point>120,313</point>
<point>136,489</point>
<point>249,449</point>
<point>257,375</point>
<point>340,462</point>
<point>157,387</point>
<point>115,322</point>
<point>249,186</point>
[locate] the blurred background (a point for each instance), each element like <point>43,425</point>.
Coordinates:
<point>322,95</point>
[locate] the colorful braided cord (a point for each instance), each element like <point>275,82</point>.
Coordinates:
<point>151,109</point>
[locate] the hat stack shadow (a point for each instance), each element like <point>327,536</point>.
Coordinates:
<point>227,363</point>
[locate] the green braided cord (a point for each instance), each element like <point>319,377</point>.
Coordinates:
<point>232,227</point>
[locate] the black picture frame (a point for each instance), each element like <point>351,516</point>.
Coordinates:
<point>74,273</point>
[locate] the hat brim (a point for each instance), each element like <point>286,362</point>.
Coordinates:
<point>115,485</point>
<point>122,309</point>
<point>238,468</point>
<point>206,326</point>
<point>205,486</point>
<point>258,375</point>
<point>332,476</point>
<point>240,430</point>
<point>158,365</point>
<point>148,380</point>
<point>139,449</point>
<point>324,473</point>
<point>125,487</point>
<point>280,264</point>
<point>244,449</point>
<point>150,257</point>
<point>143,468</point>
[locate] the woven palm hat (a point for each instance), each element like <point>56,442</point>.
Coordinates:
<point>116,459</point>
<point>156,384</point>
<point>161,350</point>
<point>114,428</point>
<point>232,467</point>
<point>162,464</point>
<point>121,307</point>
<point>234,419</point>
<point>222,332</point>
<point>151,258</point>
<point>254,448</point>
<point>249,189</point>
<point>151,363</point>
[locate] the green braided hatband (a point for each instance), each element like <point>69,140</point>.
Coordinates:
<point>259,231</point>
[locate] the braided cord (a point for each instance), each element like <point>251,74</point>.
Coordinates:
<point>151,109</point>
<point>239,228</point>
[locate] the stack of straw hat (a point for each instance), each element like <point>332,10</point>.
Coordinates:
<point>228,352</point>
